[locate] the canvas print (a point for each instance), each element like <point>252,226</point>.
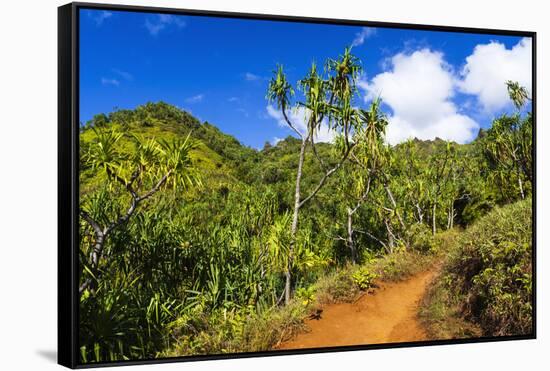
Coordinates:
<point>253,185</point>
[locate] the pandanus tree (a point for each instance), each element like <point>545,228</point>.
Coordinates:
<point>415,183</point>
<point>131,179</point>
<point>508,144</point>
<point>439,174</point>
<point>366,166</point>
<point>328,101</point>
<point>517,93</point>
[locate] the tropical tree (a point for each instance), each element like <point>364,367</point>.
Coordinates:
<point>439,175</point>
<point>367,163</point>
<point>517,93</point>
<point>134,178</point>
<point>508,144</point>
<point>328,100</point>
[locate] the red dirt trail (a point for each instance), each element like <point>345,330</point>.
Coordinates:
<point>388,315</point>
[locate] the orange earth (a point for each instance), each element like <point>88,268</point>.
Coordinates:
<point>387,315</point>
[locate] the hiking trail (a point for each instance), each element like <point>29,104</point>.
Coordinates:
<point>387,315</point>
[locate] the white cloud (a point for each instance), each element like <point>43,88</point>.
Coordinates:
<point>99,17</point>
<point>251,77</point>
<point>125,75</point>
<point>276,140</point>
<point>107,81</point>
<point>243,111</point>
<point>418,88</point>
<point>490,66</point>
<point>162,21</point>
<point>362,35</point>
<point>233,99</point>
<point>298,117</point>
<point>195,99</point>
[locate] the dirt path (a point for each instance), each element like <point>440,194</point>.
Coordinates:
<point>388,315</point>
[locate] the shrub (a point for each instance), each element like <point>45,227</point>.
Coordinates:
<point>421,238</point>
<point>363,278</point>
<point>492,271</point>
<point>306,295</point>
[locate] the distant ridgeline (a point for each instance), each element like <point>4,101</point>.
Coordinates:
<point>163,120</point>
<point>218,150</point>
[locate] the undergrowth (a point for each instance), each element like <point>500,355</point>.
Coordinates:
<point>259,329</point>
<point>485,286</point>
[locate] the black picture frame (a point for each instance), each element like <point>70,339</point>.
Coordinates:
<point>68,179</point>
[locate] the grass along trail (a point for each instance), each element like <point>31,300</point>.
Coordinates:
<point>386,315</point>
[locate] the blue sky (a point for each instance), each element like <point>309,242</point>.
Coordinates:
<point>432,83</point>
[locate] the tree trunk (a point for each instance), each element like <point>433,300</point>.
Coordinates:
<point>521,187</point>
<point>350,242</point>
<point>390,236</point>
<point>520,182</point>
<point>420,214</point>
<point>294,227</point>
<point>394,204</point>
<point>434,230</point>
<point>97,250</point>
<point>452,216</point>
<point>95,255</point>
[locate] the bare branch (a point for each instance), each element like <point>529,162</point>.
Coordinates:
<point>290,124</point>
<point>95,225</point>
<point>321,161</point>
<point>114,175</point>
<point>156,187</point>
<point>135,202</point>
<point>373,237</point>
<point>135,175</point>
<point>124,218</point>
<point>326,176</point>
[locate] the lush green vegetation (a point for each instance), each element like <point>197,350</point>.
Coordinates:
<point>486,284</point>
<point>192,243</point>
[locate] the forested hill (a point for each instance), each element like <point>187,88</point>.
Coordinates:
<point>218,153</point>
<point>164,121</point>
<point>224,164</point>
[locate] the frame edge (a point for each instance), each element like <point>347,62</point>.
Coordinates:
<point>66,284</point>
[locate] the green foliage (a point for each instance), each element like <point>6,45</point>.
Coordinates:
<point>364,278</point>
<point>306,295</point>
<point>491,270</point>
<point>421,238</point>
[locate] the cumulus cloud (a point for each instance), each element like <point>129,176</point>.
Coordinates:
<point>251,77</point>
<point>100,17</point>
<point>362,35</point>
<point>298,117</point>
<point>490,66</point>
<point>243,111</point>
<point>161,22</point>
<point>107,81</point>
<point>275,140</point>
<point>125,75</point>
<point>418,87</point>
<point>195,99</point>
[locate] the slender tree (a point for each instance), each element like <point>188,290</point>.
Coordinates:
<point>328,99</point>
<point>508,144</point>
<point>367,162</point>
